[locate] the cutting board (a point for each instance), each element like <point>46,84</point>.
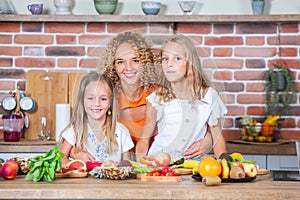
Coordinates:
<point>47,89</point>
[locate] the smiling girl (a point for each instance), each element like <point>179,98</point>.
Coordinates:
<point>184,107</point>
<point>93,129</point>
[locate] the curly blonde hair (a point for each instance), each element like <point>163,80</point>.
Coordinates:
<point>195,73</point>
<point>149,58</point>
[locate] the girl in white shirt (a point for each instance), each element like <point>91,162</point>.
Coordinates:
<point>184,107</point>
<point>93,131</point>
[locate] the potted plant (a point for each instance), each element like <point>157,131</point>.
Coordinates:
<point>280,90</point>
<point>258,6</point>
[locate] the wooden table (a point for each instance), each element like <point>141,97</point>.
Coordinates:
<point>94,188</point>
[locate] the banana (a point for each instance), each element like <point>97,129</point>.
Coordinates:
<point>272,119</point>
<point>136,164</point>
<point>189,164</point>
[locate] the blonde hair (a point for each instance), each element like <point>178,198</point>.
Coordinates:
<point>195,73</point>
<point>79,118</point>
<point>149,58</point>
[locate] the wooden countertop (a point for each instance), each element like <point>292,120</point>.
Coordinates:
<point>151,18</point>
<point>94,188</point>
<point>32,146</point>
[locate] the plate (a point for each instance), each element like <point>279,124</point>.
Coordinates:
<point>228,180</point>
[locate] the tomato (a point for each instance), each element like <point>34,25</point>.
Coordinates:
<point>209,166</point>
<point>156,173</point>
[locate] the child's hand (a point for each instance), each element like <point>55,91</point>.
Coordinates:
<point>81,155</point>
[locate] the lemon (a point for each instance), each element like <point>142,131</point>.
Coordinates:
<point>236,155</point>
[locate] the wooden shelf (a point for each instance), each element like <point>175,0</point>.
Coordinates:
<point>151,18</point>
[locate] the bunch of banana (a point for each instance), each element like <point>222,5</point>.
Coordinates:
<point>272,119</point>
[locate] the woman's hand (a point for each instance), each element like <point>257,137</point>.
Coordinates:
<point>199,148</point>
<point>81,155</point>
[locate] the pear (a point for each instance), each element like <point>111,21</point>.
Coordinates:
<point>237,172</point>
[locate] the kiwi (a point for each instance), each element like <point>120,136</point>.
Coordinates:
<point>237,172</point>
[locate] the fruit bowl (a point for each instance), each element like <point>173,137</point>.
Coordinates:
<point>113,173</point>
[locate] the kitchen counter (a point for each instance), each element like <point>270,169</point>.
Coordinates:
<point>94,188</point>
<point>257,149</point>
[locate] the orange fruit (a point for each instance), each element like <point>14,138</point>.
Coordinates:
<point>76,164</point>
<point>209,166</point>
<point>267,129</point>
<point>235,155</point>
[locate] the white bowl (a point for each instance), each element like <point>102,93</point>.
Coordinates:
<point>151,7</point>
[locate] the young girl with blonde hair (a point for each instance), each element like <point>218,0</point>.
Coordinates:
<point>184,107</point>
<point>94,133</point>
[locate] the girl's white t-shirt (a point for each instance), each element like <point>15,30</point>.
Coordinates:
<point>97,149</point>
<point>176,116</point>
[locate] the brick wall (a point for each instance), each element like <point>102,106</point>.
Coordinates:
<point>235,54</point>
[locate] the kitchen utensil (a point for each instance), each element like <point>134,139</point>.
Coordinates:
<point>35,9</point>
<point>44,128</point>
<point>6,7</point>
<point>187,6</point>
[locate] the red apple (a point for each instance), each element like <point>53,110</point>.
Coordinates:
<point>10,169</point>
<point>0,169</point>
<point>250,169</point>
<point>91,164</point>
<point>238,164</point>
<point>162,159</point>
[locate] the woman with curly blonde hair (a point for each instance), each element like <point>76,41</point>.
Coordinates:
<point>127,57</point>
<point>184,107</point>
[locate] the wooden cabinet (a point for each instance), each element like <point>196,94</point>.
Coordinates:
<point>279,162</point>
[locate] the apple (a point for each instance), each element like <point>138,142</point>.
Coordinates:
<point>162,159</point>
<point>91,164</point>
<point>237,164</point>
<point>0,169</point>
<point>250,169</point>
<point>10,169</point>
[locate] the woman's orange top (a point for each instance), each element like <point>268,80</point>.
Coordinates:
<point>136,123</point>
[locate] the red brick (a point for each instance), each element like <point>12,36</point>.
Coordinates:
<point>257,40</point>
<point>65,39</point>
<point>223,40</point>
<point>6,62</point>
<point>159,28</point>
<point>33,39</point>
<point>95,27</point>
<point>12,74</point>
<point>254,52</point>
<point>5,39</point>
<point>227,98</point>
<point>231,134</point>
<point>54,27</point>
<point>10,51</point>
<point>65,51</point>
<point>33,51</point>
<point>290,40</point>
<point>223,28</point>
<point>255,63</point>
<point>248,75</point>
<point>255,87</point>
<point>235,110</point>
<point>35,62</point>
<point>7,85</point>
<point>228,122</point>
<point>222,52</point>
<point>250,99</point>
<point>289,28</point>
<point>223,75</point>
<point>121,27</point>
<point>94,39</point>
<point>223,63</point>
<point>88,63</point>
<point>234,87</point>
<point>290,134</point>
<point>9,27</point>
<point>67,62</point>
<point>288,52</point>
<point>198,28</point>
<point>256,110</point>
<point>256,28</point>
<point>32,27</point>
<point>288,123</point>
